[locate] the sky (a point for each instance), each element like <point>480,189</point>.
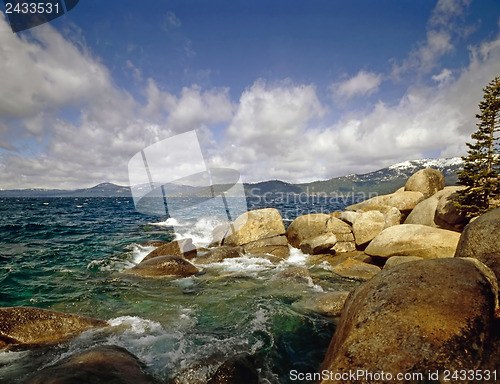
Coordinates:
<point>295,90</point>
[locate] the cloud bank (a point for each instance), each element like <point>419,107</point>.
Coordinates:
<point>64,123</point>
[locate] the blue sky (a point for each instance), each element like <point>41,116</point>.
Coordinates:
<point>277,89</point>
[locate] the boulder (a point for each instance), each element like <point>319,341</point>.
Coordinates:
<point>305,227</point>
<point>164,266</point>
<point>414,240</point>
<point>26,326</point>
<point>216,255</point>
<point>100,365</point>
<point>255,225</point>
<point>297,275</point>
<point>343,247</point>
<point>427,181</point>
<point>277,246</point>
<point>318,244</point>
<point>367,226</point>
<point>396,260</point>
<point>480,240</point>
<point>438,211</point>
<point>414,318</point>
<point>328,304</point>
<point>349,216</point>
<point>183,248</point>
<point>339,229</point>
<point>355,270</point>
<point>392,215</point>
<point>240,369</point>
<point>404,201</point>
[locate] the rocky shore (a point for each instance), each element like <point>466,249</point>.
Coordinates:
<point>427,299</point>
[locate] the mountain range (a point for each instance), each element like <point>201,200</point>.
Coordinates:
<point>382,181</point>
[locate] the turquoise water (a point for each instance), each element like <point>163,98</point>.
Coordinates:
<point>67,254</point>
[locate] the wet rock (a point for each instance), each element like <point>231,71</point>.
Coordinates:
<point>328,304</point>
<point>277,246</point>
<point>427,181</point>
<point>355,270</point>
<point>164,266</point>
<point>216,255</point>
<point>183,248</point>
<point>26,326</point>
<point>318,244</point>
<point>415,317</point>
<point>480,240</point>
<point>100,365</point>
<point>297,275</point>
<point>414,240</point>
<point>240,369</point>
<point>255,225</point>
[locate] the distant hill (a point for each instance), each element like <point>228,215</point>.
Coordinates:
<point>383,181</point>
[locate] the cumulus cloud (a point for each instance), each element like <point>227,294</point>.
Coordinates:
<point>362,84</point>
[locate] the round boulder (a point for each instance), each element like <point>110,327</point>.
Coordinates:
<point>26,326</point>
<point>164,266</point>
<point>427,181</point>
<point>480,240</point>
<point>100,365</point>
<point>414,240</point>
<point>255,225</point>
<point>182,248</point>
<point>367,226</point>
<point>416,317</point>
<point>305,227</point>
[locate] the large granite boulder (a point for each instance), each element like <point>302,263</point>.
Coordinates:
<point>438,211</point>
<point>414,318</point>
<point>255,225</point>
<point>305,227</point>
<point>404,201</point>
<point>164,266</point>
<point>318,224</point>
<point>183,248</point>
<point>427,181</point>
<point>481,240</point>
<point>100,365</point>
<point>414,240</point>
<point>26,326</point>
<point>368,225</point>
<point>276,246</point>
<point>318,244</point>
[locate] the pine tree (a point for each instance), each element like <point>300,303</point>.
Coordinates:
<point>480,174</point>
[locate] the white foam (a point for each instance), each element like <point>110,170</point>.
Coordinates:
<point>170,222</point>
<point>297,257</point>
<point>131,259</point>
<point>136,325</point>
<point>200,232</point>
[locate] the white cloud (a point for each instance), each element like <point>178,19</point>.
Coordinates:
<point>364,83</point>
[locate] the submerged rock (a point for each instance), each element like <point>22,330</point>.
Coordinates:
<point>237,370</point>
<point>415,317</point>
<point>216,255</point>
<point>182,248</point>
<point>481,240</point>
<point>414,240</point>
<point>255,225</point>
<point>164,266</point>
<point>328,304</point>
<point>100,365</point>
<point>427,181</point>
<point>355,270</point>
<point>26,326</point>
